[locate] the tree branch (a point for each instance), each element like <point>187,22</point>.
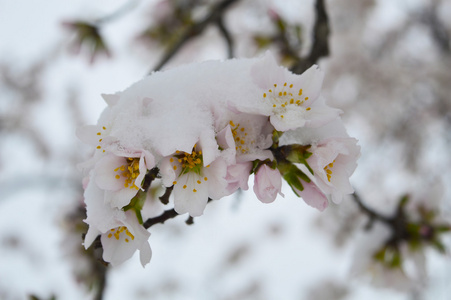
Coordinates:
<point>320,47</point>
<point>194,30</point>
<point>226,34</point>
<point>168,214</point>
<point>373,215</point>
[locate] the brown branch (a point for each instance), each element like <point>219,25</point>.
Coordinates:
<point>373,215</point>
<point>226,34</point>
<point>194,30</point>
<point>320,47</point>
<point>168,214</point>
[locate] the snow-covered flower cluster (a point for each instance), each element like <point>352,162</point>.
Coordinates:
<point>200,131</point>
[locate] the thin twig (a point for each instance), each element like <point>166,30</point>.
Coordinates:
<point>102,273</point>
<point>226,34</point>
<point>168,214</point>
<point>195,30</point>
<point>320,47</point>
<point>373,215</point>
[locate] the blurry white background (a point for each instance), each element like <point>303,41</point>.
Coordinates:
<point>389,70</point>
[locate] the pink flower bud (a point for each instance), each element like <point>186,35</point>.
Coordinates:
<point>268,182</point>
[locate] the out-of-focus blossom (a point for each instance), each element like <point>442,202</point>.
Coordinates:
<point>88,35</point>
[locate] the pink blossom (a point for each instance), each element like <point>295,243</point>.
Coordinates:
<point>333,161</point>
<point>313,196</point>
<point>121,233</point>
<point>121,176</point>
<point>267,184</point>
<point>193,181</point>
<point>238,176</point>
<point>291,101</point>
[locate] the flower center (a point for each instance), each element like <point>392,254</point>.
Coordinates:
<point>191,163</point>
<point>328,170</point>
<point>284,96</point>
<point>130,171</point>
<point>116,232</point>
<point>240,137</point>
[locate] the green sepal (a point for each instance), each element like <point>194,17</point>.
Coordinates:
<point>414,244</point>
<point>256,164</point>
<point>294,182</point>
<point>413,229</point>
<point>293,176</point>
<point>396,260</point>
<point>443,228</point>
<point>299,154</point>
<point>380,255</point>
<point>439,246</point>
<point>404,200</point>
<point>275,138</point>
<point>137,204</point>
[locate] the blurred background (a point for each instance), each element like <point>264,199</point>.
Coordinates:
<point>388,69</point>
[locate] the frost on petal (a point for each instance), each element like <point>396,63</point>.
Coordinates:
<point>267,184</point>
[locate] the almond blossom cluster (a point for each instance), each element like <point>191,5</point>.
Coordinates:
<point>201,130</point>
